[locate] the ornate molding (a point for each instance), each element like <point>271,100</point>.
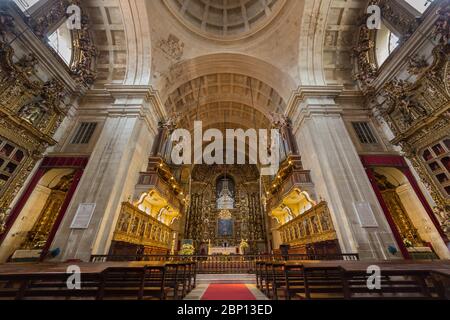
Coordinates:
<point>84,52</point>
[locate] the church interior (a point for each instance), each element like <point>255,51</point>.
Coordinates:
<point>354,96</point>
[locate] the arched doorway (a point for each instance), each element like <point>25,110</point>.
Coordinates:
<point>411,219</point>
<point>36,216</point>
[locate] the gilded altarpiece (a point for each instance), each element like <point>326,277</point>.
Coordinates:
<point>204,221</point>
<point>38,236</point>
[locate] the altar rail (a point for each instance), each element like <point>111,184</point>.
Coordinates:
<point>219,264</point>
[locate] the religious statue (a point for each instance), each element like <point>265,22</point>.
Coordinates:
<point>278,120</point>
<point>400,96</point>
<point>417,65</point>
<point>172,121</point>
<point>31,112</point>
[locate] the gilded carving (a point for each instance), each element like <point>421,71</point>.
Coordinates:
<point>246,218</point>
<point>313,226</point>
<point>84,51</point>
<point>30,112</point>
<point>416,110</point>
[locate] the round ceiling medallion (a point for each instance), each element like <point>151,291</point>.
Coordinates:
<point>225,19</point>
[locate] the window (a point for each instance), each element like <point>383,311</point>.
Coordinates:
<point>61,42</point>
<point>437,159</point>
<point>364,132</point>
<point>419,5</point>
<point>84,133</point>
<point>393,42</point>
<point>11,158</point>
<point>386,43</point>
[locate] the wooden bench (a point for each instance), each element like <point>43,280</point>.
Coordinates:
<point>48,286</point>
<point>131,283</point>
<point>313,283</point>
<point>394,284</point>
<point>126,283</point>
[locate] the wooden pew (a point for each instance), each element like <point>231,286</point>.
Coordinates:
<point>48,286</point>
<point>131,283</point>
<point>441,280</point>
<point>318,282</point>
<point>395,284</point>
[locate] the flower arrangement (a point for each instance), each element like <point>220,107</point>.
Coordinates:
<point>243,246</point>
<point>187,250</point>
<point>407,243</point>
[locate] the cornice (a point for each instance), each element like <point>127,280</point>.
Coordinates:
<point>305,92</point>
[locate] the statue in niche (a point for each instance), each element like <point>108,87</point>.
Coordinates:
<point>31,112</point>
<point>400,95</point>
<point>225,199</point>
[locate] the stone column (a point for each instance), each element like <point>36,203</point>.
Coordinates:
<point>338,174</point>
<point>120,154</point>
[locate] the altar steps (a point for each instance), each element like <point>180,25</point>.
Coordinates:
<point>226,279</point>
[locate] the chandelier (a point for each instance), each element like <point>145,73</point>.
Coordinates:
<point>225,215</point>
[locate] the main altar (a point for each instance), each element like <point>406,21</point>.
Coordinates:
<point>225,251</point>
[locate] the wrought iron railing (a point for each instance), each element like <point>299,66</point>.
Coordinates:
<point>221,264</point>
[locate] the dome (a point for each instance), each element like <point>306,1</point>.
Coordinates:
<point>224,19</point>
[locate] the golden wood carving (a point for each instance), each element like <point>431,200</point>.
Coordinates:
<point>401,218</point>
<point>313,226</point>
<point>31,110</point>
<point>84,52</point>
<point>136,227</point>
<point>417,112</point>
<point>38,236</point>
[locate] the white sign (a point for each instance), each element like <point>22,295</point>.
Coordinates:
<point>83,216</point>
<point>365,215</point>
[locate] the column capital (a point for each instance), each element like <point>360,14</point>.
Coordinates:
<point>308,101</point>
<point>136,100</point>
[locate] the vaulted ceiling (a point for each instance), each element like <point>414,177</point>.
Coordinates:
<point>278,44</point>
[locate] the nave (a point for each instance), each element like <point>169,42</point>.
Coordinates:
<point>224,149</point>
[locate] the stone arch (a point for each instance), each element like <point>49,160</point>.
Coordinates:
<point>231,63</point>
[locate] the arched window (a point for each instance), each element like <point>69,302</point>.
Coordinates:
<point>386,43</point>
<point>61,42</point>
<point>419,5</point>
